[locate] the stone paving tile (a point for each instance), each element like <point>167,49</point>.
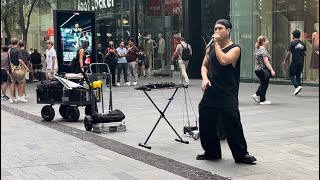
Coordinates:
<point>303,154</point>
<point>124,176</point>
<point>33,147</point>
<point>5,172</point>
<point>57,167</point>
<point>15,177</point>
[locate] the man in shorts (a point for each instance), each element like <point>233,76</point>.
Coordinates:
<point>51,60</point>
<point>16,59</point>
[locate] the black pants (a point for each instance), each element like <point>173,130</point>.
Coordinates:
<point>113,74</point>
<point>220,128</point>
<point>295,73</point>
<point>231,121</point>
<point>122,67</point>
<point>264,83</point>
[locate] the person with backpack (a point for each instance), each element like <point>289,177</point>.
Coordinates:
<point>183,54</point>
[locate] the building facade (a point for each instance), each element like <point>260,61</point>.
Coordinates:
<point>155,24</point>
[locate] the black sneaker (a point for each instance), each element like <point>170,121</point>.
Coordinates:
<point>247,159</point>
<point>4,97</point>
<point>207,157</point>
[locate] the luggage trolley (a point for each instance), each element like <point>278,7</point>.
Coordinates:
<point>110,121</point>
<point>70,96</point>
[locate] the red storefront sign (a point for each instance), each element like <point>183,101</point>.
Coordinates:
<point>173,7</point>
<point>50,32</point>
<point>154,8</point>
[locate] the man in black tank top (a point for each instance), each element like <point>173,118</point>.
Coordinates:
<point>220,82</point>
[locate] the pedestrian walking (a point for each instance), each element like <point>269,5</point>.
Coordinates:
<point>263,69</point>
<point>298,50</point>
<point>183,54</point>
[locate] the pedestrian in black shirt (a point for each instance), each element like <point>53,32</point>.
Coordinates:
<point>220,82</point>
<point>17,59</point>
<point>298,50</point>
<point>112,60</point>
<point>36,62</point>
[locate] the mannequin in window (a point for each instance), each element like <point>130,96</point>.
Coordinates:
<point>315,48</point>
<point>161,51</point>
<point>151,44</point>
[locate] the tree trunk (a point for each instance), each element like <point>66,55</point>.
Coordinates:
<point>25,38</point>
<point>6,27</point>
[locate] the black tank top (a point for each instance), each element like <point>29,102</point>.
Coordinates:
<point>224,89</point>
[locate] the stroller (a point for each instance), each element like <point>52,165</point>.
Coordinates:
<point>113,118</point>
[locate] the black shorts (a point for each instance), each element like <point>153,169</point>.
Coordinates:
<point>4,76</point>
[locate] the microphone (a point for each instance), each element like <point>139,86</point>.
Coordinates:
<point>211,41</point>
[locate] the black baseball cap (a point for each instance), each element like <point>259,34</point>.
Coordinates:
<point>225,22</point>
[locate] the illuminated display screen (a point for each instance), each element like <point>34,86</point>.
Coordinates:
<point>71,29</point>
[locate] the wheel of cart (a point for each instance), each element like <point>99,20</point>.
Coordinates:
<point>88,123</point>
<point>63,110</point>
<point>47,113</point>
<point>72,114</point>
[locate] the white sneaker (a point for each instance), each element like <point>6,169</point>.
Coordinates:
<point>13,100</point>
<point>256,98</point>
<point>25,96</point>
<point>118,84</point>
<point>265,102</point>
<point>134,83</point>
<point>22,99</point>
<point>298,89</point>
<point>127,83</point>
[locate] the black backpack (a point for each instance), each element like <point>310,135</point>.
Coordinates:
<point>185,53</point>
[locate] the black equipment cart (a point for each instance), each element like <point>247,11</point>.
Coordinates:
<point>69,94</point>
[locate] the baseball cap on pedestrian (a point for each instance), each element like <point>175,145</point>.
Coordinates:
<point>225,23</point>
<point>296,33</point>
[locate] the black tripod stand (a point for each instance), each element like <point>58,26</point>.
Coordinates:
<point>162,115</point>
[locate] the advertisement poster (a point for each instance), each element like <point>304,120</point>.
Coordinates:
<point>71,29</point>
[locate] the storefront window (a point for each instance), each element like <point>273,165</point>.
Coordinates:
<point>241,18</point>
<point>159,22</point>
<point>276,19</point>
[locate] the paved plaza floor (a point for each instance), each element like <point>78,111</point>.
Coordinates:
<point>283,136</point>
